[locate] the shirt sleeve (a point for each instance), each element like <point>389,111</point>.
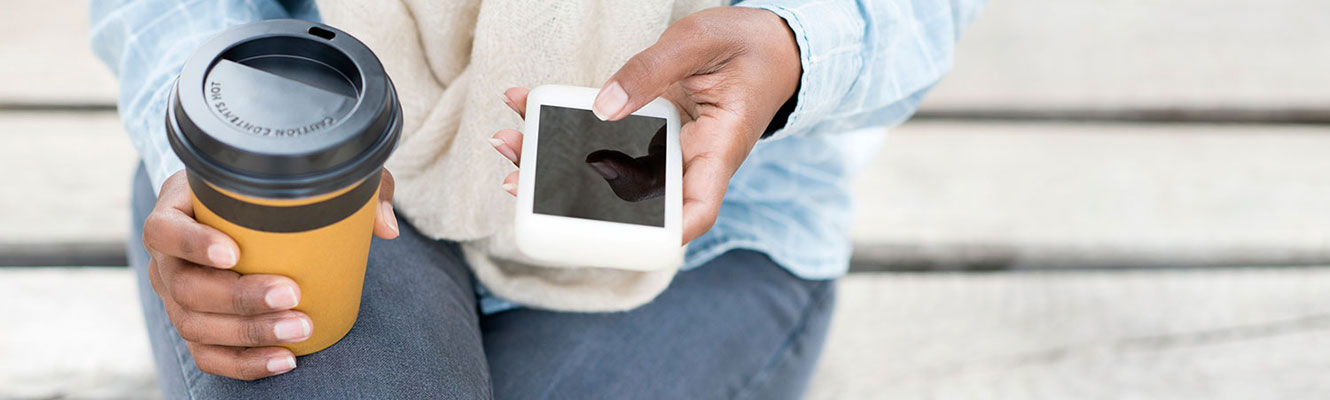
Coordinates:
<point>145,43</point>
<point>867,62</point>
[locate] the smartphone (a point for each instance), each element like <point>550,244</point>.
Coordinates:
<point>596,193</point>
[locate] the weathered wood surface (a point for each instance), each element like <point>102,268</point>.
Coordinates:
<point>72,333</point>
<point>993,195</point>
<point>1145,334</point>
<point>941,195</point>
<point>47,58</point>
<point>1108,55</point>
<point>69,174</point>
<point>1020,54</point>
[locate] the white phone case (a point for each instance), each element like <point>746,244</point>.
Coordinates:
<point>577,242</point>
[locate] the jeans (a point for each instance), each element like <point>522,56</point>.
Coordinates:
<point>738,327</point>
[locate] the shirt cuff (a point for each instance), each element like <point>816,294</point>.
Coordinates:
<point>830,36</point>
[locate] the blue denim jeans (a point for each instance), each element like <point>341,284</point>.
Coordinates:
<point>738,327</point>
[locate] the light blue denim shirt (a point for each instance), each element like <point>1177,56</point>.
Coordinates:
<point>866,64</point>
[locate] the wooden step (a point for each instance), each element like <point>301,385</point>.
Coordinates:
<point>1029,195</point>
<point>1144,334</point>
<point>1019,55</point>
<point>940,196</point>
<point>1041,56</point>
<point>1155,334</point>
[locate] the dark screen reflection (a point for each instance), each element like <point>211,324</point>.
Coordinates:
<point>593,169</point>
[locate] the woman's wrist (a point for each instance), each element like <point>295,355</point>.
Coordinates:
<point>776,38</point>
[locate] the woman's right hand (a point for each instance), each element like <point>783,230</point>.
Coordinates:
<point>230,322</point>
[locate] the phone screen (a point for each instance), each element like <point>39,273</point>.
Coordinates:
<point>600,170</point>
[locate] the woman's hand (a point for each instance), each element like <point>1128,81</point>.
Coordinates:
<point>229,321</point>
<point>728,69</point>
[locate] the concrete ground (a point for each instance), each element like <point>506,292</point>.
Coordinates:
<point>1141,179</point>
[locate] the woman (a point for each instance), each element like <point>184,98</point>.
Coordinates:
<point>774,86</point>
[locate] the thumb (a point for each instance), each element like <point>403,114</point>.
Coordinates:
<point>385,222</point>
<point>648,74</point>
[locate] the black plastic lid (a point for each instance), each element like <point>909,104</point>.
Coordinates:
<point>282,109</point>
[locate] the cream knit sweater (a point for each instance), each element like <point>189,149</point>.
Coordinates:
<point>451,60</point>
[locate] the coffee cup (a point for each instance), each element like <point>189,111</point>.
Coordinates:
<point>283,127</point>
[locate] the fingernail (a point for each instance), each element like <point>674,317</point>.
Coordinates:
<point>510,186</point>
<point>386,209</point>
<point>222,256</point>
<point>610,101</point>
<point>505,99</point>
<point>292,330</point>
<point>503,149</point>
<point>604,170</point>
<point>281,364</point>
<point>281,297</point>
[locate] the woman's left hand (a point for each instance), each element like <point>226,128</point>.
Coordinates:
<point>728,69</point>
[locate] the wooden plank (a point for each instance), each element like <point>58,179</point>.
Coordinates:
<point>993,195</point>
<point>47,57</point>
<point>1245,333</point>
<point>1026,55</point>
<point>73,333</point>
<point>1228,334</point>
<point>1185,54</point>
<point>941,195</point>
<point>70,176</point>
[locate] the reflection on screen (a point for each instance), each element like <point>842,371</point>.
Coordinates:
<point>593,169</point>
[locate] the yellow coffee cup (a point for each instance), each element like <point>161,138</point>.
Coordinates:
<point>284,127</point>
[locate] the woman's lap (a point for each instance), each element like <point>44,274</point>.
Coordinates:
<point>739,326</point>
